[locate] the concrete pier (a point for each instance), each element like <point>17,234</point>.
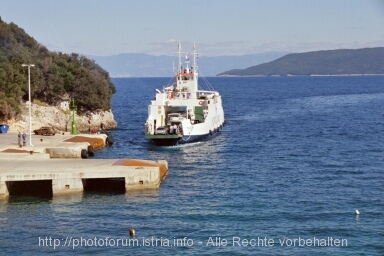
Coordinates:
<point>37,167</point>
<point>71,175</point>
<point>58,146</point>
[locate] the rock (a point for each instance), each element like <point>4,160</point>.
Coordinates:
<point>61,120</point>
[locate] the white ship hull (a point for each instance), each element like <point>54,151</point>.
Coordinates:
<point>181,113</point>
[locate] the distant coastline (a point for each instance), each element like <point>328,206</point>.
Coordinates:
<point>316,75</point>
<point>343,62</point>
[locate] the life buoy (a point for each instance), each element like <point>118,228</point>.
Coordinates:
<point>200,102</point>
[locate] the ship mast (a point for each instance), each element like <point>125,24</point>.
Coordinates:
<point>179,50</point>
<point>190,72</point>
<point>194,59</point>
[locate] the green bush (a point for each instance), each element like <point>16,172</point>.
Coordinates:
<point>55,76</point>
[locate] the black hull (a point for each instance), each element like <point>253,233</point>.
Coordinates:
<point>182,140</point>
<point>165,142</point>
<point>173,139</point>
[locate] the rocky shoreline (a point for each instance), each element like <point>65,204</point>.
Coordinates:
<point>60,119</point>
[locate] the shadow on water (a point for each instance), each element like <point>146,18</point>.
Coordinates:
<point>163,148</point>
<point>33,199</point>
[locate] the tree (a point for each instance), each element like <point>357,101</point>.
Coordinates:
<point>54,76</point>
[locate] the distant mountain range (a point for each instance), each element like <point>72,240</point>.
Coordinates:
<point>144,65</point>
<point>367,61</point>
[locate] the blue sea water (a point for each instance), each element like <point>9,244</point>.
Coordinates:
<point>297,157</point>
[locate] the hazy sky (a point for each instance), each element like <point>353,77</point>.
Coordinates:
<point>218,27</point>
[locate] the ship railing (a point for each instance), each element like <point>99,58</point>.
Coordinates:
<point>178,95</point>
<point>185,76</point>
<point>206,94</point>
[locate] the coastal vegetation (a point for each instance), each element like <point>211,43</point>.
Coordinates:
<point>367,61</point>
<point>55,77</point>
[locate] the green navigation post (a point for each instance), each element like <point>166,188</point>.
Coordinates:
<point>73,107</point>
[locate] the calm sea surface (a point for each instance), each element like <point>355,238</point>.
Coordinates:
<point>297,157</point>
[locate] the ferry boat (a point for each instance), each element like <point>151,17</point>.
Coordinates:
<point>181,112</point>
